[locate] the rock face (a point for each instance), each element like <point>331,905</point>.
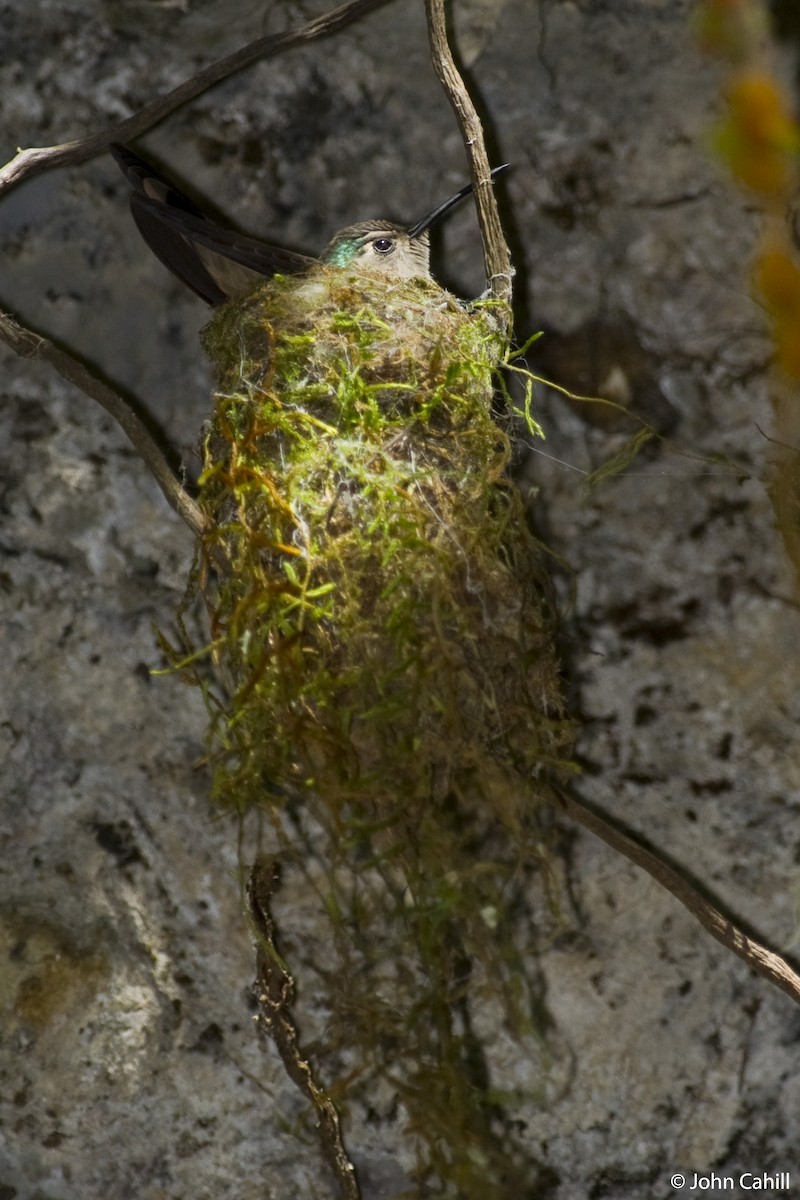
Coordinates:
<point>128,1064</point>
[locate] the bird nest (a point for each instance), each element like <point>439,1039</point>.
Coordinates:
<point>383,630</point>
<point>383,620</point>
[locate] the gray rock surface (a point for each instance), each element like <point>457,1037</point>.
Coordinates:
<point>128,1061</point>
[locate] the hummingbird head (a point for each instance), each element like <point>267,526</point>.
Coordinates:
<point>388,249</point>
<point>380,247</point>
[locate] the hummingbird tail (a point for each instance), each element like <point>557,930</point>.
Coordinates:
<point>216,263</point>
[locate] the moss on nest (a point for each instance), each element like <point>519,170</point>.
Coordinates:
<point>383,617</point>
<point>385,637</point>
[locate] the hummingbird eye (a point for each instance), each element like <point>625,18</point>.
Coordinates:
<point>383,245</point>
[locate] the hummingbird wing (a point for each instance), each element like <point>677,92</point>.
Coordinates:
<point>216,263</point>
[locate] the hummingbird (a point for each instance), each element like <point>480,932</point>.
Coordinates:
<point>219,264</point>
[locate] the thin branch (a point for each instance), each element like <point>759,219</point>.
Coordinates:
<point>762,960</point>
<point>275,991</point>
<point>496,255</point>
<point>28,344</point>
<point>33,161</point>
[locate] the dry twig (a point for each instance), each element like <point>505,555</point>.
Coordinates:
<point>28,344</point>
<point>37,159</point>
<point>762,960</point>
<point>496,255</point>
<point>274,994</point>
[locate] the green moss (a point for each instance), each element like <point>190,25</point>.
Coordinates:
<point>388,649</point>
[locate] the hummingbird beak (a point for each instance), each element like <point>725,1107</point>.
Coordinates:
<point>440,210</point>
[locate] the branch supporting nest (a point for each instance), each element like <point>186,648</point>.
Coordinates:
<point>496,255</point>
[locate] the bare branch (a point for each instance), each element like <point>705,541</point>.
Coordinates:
<point>496,255</point>
<point>33,161</point>
<point>28,344</point>
<point>764,961</point>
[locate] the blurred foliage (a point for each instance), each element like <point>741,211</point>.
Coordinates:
<point>760,141</point>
